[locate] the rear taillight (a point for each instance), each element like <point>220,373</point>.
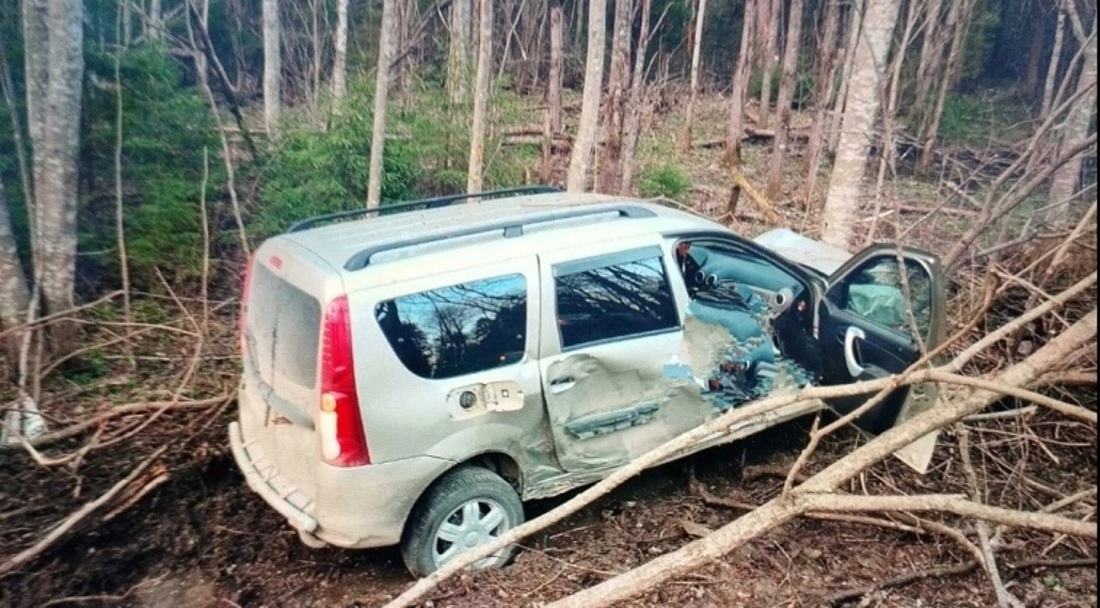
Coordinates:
<point>342,441</point>
<point>242,323</point>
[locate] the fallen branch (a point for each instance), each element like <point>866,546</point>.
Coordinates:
<point>779,511</point>
<point>900,580</point>
<point>73,519</point>
<point>776,513</point>
<point>115,412</point>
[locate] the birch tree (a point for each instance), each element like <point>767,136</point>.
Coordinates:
<point>739,87</point>
<point>340,51</point>
<point>458,51</point>
<point>786,96</point>
<point>557,60</point>
<point>54,57</point>
<point>1063,185</point>
<point>481,94</point>
<point>618,81</point>
<point>14,295</point>
<point>857,129</point>
<point>633,120</point>
<point>581,158</point>
<point>387,42</point>
<point>769,15</point>
<point>700,17</point>
<point>273,62</point>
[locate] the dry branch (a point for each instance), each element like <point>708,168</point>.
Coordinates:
<point>73,519</point>
<point>775,513</point>
<point>808,496</point>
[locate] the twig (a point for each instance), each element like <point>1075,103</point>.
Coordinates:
<point>73,519</point>
<point>989,562</point>
<point>898,581</point>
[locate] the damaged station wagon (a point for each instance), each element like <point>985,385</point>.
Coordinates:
<point>412,374</point>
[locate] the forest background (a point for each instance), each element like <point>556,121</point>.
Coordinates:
<point>146,147</point>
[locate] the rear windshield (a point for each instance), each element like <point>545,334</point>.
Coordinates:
<point>285,323</point>
<point>460,329</point>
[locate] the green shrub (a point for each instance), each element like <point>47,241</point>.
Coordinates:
<point>165,128</point>
<point>966,120</point>
<point>310,172</point>
<point>667,181</point>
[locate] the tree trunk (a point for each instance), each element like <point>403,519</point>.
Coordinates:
<point>1063,185</point>
<point>557,61</point>
<point>740,84</point>
<point>585,142</point>
<point>1035,51</point>
<point>14,295</point>
<point>618,81</point>
<point>700,19</point>
<point>155,29</point>
<point>340,54</point>
<point>273,63</point>
<point>54,55</point>
<point>633,126</point>
<point>387,40</point>
<point>931,53</point>
<point>771,49</point>
<point>958,25</point>
<point>825,76</point>
<point>458,52</point>
<point>481,95</point>
<point>855,26</point>
<point>1055,59</point>
<point>786,96</point>
<point>857,130</point>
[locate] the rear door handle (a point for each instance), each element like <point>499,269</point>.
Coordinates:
<point>564,383</point>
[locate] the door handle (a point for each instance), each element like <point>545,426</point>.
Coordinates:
<point>564,383</point>
<point>850,358</point>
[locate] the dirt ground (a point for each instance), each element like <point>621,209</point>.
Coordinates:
<point>202,539</point>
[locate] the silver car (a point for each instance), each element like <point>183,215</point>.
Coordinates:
<point>411,375</point>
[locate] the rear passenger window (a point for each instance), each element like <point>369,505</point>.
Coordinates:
<point>460,329</point>
<point>613,297</point>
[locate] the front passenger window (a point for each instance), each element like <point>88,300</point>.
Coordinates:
<point>613,297</point>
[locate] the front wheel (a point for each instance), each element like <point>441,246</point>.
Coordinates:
<point>467,508</point>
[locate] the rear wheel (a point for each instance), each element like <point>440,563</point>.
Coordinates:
<point>466,509</point>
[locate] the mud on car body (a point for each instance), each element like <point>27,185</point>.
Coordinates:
<point>411,375</point>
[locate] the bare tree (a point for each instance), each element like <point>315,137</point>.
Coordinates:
<point>739,88</point>
<point>700,19</point>
<point>273,63</point>
<point>769,15</point>
<point>825,84</point>
<point>481,94</point>
<point>340,55</point>
<point>1055,60</point>
<point>387,42</point>
<point>54,57</point>
<point>458,51</point>
<point>14,295</point>
<point>958,24</point>
<point>633,121</point>
<point>864,93</point>
<point>1063,185</point>
<point>786,97</point>
<point>557,59</point>
<point>585,143</point>
<point>618,82</point>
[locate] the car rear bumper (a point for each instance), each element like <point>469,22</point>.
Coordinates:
<point>357,507</point>
<point>249,462</point>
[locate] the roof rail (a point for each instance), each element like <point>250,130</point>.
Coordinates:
<point>509,229</point>
<point>427,203</point>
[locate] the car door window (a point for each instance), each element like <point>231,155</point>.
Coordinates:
<point>877,290</point>
<point>613,297</point>
<point>460,329</point>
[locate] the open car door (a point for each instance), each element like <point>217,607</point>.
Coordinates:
<point>883,308</point>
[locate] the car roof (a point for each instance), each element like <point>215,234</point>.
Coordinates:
<point>555,220</point>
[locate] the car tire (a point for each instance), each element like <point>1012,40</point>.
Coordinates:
<point>466,508</point>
